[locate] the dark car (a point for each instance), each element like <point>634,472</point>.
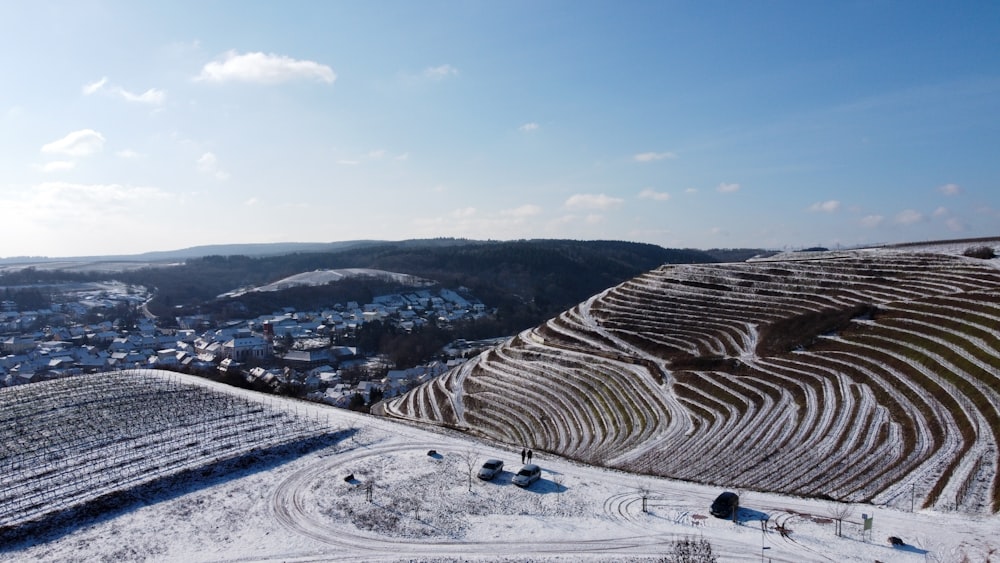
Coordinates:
<point>726,505</point>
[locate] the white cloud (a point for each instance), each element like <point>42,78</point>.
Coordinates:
<point>728,188</point>
<point>95,86</point>
<point>208,163</point>
<point>528,127</point>
<point>57,165</point>
<point>402,157</point>
<point>593,219</point>
<point>464,212</point>
<point>152,96</point>
<point>348,162</point>
<point>263,68</point>
<point>940,212</point>
<point>691,191</point>
<point>653,156</point>
<point>950,189</point>
<point>829,206</point>
<point>440,72</point>
<point>375,154</point>
<point>251,201</point>
<point>650,193</point>
<point>127,153</point>
<point>78,143</point>
<point>592,201</point>
<point>526,210</point>
<point>909,217</point>
<point>872,221</point>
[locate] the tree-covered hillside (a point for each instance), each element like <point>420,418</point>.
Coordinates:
<point>527,280</point>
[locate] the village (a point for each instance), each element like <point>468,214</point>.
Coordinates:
<point>301,353</point>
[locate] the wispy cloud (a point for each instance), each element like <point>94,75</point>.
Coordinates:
<point>909,217</point>
<point>728,188</point>
<point>208,163</point>
<point>78,143</point>
<point>68,196</point>
<point>94,87</point>
<point>829,206</point>
<point>263,69</point>
<point>592,201</point>
<point>57,165</point>
<point>463,213</point>
<point>526,210</point>
<point>373,155</point>
<point>950,189</point>
<point>872,221</point>
<point>650,193</point>
<point>528,127</point>
<point>955,224</point>
<point>653,156</point>
<point>152,96</point>
<point>440,72</point>
<point>128,153</point>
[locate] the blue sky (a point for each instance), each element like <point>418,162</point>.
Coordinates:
<point>128,127</point>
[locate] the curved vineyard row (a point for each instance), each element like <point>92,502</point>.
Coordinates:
<point>867,376</point>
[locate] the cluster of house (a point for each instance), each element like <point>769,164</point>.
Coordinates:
<point>48,344</point>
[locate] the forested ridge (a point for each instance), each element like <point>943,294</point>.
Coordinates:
<point>526,280</point>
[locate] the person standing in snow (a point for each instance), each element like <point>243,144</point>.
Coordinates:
<point>529,456</point>
<point>522,456</point>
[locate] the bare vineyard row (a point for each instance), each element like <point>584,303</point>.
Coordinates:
<point>872,377</point>
<point>71,441</point>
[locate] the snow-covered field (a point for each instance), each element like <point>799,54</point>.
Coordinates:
<point>323,277</point>
<point>422,508</point>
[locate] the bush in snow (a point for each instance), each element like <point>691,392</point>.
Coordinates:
<point>689,550</point>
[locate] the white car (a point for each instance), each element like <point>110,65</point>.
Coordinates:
<point>527,475</point>
<point>490,469</point>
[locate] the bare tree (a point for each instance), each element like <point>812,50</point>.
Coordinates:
<point>839,511</point>
<point>469,462</point>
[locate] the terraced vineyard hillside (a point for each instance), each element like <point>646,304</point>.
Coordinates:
<point>79,445</point>
<point>863,376</point>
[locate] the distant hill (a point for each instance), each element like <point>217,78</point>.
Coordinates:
<point>862,376</point>
<point>527,281</point>
<point>260,249</point>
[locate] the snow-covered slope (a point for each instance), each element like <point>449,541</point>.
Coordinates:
<point>323,277</point>
<point>402,504</point>
<point>865,376</point>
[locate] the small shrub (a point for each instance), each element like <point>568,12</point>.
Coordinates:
<point>984,252</point>
<point>689,550</point>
